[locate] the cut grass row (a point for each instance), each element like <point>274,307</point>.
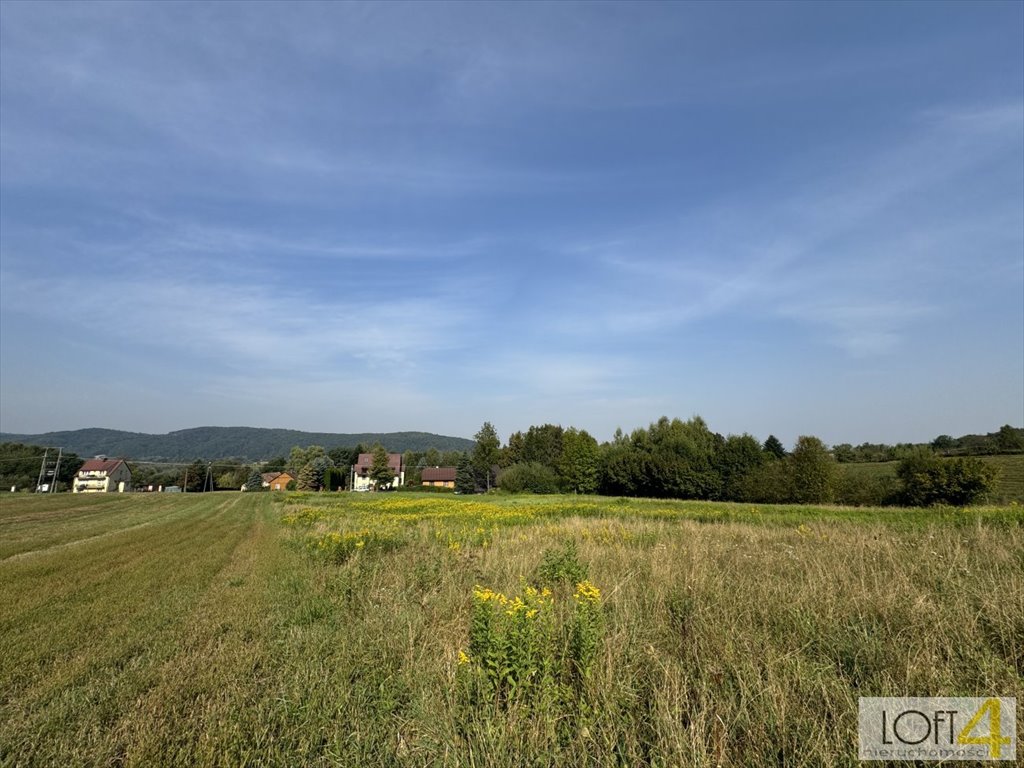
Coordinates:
<point>215,636</point>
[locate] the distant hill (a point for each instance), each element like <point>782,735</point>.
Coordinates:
<point>248,443</point>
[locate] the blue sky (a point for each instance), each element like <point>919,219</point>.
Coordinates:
<point>789,219</point>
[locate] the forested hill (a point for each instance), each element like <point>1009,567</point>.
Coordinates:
<point>249,443</point>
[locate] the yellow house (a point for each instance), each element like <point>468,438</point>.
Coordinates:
<point>276,481</point>
<point>438,477</point>
<point>102,475</point>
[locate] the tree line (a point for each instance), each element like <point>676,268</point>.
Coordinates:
<point>1005,440</point>
<point>679,459</point>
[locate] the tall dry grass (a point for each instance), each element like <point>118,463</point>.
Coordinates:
<point>215,636</point>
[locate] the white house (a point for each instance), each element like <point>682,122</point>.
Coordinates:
<point>103,475</point>
<point>361,471</point>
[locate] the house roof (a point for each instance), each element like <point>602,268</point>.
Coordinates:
<point>269,477</point>
<point>101,465</point>
<point>365,462</point>
<point>438,474</point>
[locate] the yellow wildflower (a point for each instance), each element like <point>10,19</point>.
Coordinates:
<point>463,658</point>
<point>587,592</point>
<point>483,595</point>
<point>516,606</point>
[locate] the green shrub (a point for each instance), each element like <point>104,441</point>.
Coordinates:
<point>928,480</point>
<point>864,490</point>
<point>530,477</point>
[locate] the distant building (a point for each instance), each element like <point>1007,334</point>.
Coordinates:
<point>361,471</point>
<point>438,477</point>
<point>276,481</point>
<point>103,475</point>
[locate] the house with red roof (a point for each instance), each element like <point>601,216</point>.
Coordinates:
<point>103,475</point>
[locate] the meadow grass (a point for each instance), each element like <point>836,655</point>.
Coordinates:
<point>335,629</point>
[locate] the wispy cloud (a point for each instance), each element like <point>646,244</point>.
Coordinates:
<point>261,328</point>
<point>845,250</point>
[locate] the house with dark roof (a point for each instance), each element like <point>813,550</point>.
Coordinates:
<point>361,480</point>
<point>103,475</point>
<point>438,477</point>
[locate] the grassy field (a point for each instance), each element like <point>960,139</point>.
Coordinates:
<point>251,629</point>
<point>1009,480</point>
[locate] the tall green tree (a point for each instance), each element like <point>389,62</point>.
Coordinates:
<point>343,457</point>
<point>380,471</point>
<point>738,457</point>
<point>773,447</point>
<point>255,481</point>
<point>413,470</point>
<point>543,445</point>
<point>311,476</point>
<point>515,450</point>
<point>579,462</point>
<point>1009,439</point>
<point>813,471</point>
<point>486,453</point>
<point>450,458</point>
<point>465,477</point>
<point>300,457</point>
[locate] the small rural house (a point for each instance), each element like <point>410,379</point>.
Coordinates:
<point>276,481</point>
<point>438,477</point>
<point>103,475</point>
<point>361,471</point>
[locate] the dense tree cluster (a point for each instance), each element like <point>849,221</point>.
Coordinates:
<point>686,460</point>
<point>679,459</point>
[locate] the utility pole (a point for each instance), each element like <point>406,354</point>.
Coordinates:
<point>42,470</point>
<point>56,469</point>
